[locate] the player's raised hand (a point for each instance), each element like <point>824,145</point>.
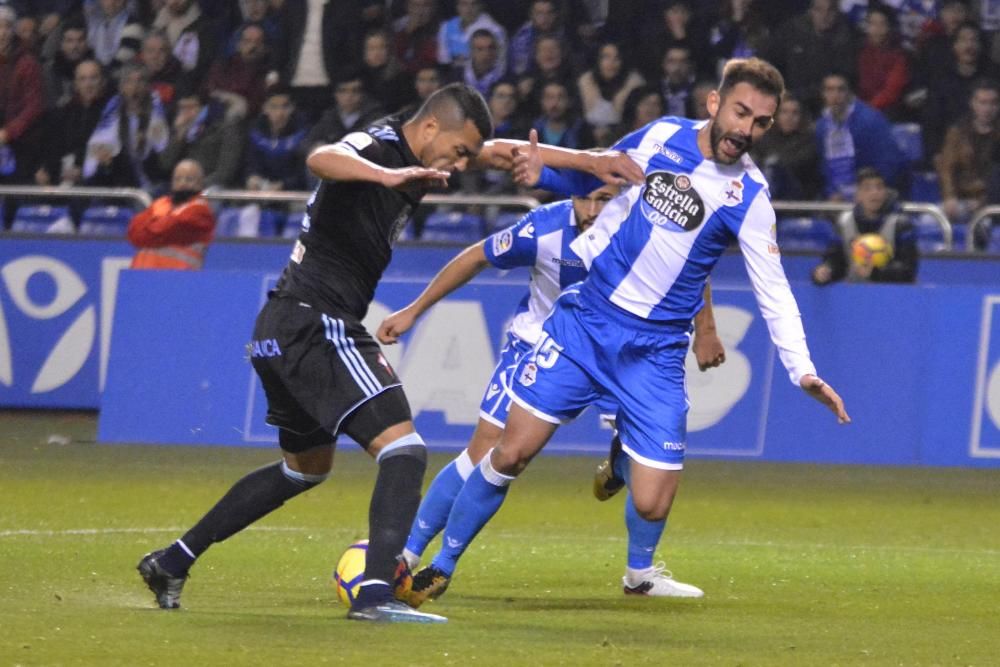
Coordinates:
<point>825,394</point>
<point>616,168</point>
<point>395,178</point>
<point>395,325</point>
<point>708,350</point>
<point>527,168</point>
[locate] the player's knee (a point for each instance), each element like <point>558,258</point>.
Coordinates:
<point>509,460</point>
<point>304,475</point>
<point>411,445</point>
<point>651,508</point>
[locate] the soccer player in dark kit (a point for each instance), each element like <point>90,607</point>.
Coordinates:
<point>322,372</point>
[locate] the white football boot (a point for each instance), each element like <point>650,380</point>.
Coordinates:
<point>657,581</point>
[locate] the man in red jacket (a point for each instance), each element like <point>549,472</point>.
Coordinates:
<point>174,232</point>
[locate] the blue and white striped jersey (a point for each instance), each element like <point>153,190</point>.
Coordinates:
<point>540,240</point>
<point>652,248</point>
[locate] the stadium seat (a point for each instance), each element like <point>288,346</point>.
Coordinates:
<point>924,187</point>
<point>454,227</point>
<point>994,240</point>
<point>810,234</point>
<point>247,222</point>
<point>502,221</point>
<point>959,237</point>
<point>43,218</point>
<point>930,236</point>
<point>106,220</point>
<point>293,225</point>
<point>910,141</point>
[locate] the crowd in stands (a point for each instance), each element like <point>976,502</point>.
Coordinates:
<point>117,92</point>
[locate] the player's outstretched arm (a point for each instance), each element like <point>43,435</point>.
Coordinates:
<point>335,163</point>
<point>825,394</point>
<point>708,348</point>
<point>460,270</point>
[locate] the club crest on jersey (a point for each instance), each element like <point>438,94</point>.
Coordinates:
<point>732,193</point>
<point>528,374</point>
<point>503,242</point>
<point>670,199</point>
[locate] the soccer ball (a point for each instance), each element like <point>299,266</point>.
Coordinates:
<point>350,572</point>
<point>871,250</point>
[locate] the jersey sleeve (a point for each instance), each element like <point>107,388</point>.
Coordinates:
<point>770,288</point>
<point>364,145</point>
<point>515,246</point>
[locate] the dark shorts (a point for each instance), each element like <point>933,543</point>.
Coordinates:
<point>318,368</point>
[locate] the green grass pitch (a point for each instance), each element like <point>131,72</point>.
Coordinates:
<point>801,565</point>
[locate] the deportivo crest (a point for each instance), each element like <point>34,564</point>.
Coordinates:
<point>732,193</point>
<point>528,374</point>
<point>670,198</point>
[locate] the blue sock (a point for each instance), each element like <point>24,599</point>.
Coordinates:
<point>480,498</point>
<point>436,505</point>
<point>643,536</point>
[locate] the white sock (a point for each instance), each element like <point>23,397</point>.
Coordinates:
<point>635,577</point>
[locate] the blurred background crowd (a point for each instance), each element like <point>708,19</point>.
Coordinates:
<point>118,92</point>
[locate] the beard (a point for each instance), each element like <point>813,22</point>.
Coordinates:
<point>736,144</point>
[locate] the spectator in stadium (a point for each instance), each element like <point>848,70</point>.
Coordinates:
<point>455,35</point>
<point>883,66</point>
<point>165,71</point>
<point>133,131</point>
<point>352,111</point>
<point>642,106</point>
<point>787,154</point>
<point>966,158</point>
<point>383,78</point>
<point>26,30</point>
<point>811,45</point>
<point>851,135</point>
<point>426,81</point>
<point>274,151</point>
<point>174,232</point>
<point>22,104</point>
<point>201,132</point>
<point>324,40</point>
<point>550,64</point>
<point>740,32</point>
<point>69,126</point>
<point>60,70</point>
<point>484,67</point>
<point>934,54</point>
<point>415,35</point>
<point>948,98</point>
<point>543,21</point>
<point>876,211</point>
<point>677,81</point>
<point>113,33</point>
<point>240,80</point>
<point>674,29</point>
<point>603,90</point>
<point>260,12</point>
<point>560,123</point>
<point>508,123</point>
<point>190,33</point>
<point>699,99</point>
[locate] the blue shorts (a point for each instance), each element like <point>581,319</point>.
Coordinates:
<point>496,399</point>
<point>591,348</point>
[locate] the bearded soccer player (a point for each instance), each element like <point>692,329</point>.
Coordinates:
<point>624,330</point>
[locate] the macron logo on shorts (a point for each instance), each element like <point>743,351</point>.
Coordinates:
<point>674,446</point>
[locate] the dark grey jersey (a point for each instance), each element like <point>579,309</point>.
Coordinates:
<point>350,227</point>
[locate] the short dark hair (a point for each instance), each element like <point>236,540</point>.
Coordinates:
<point>867,174</point>
<point>984,83</point>
<point>463,99</point>
<point>760,74</point>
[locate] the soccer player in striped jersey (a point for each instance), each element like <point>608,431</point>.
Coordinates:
<point>540,240</point>
<point>624,330</point>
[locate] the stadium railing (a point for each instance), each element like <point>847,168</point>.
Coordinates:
<point>933,212</point>
<point>88,197</point>
<point>983,218</point>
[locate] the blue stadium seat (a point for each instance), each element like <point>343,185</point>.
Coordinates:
<point>813,234</point>
<point>43,218</point>
<point>503,221</point>
<point>106,220</point>
<point>930,236</point>
<point>293,225</point>
<point>960,237</point>
<point>910,140</point>
<point>454,226</point>
<point>994,239</point>
<point>924,187</point>
<point>247,222</point>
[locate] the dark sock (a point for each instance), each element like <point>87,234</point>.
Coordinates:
<point>256,495</point>
<point>394,504</point>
